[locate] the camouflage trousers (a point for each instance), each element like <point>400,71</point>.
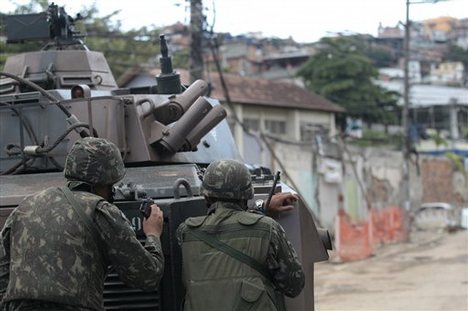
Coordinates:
<point>37,305</point>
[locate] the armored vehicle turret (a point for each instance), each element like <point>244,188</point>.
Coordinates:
<point>167,134</point>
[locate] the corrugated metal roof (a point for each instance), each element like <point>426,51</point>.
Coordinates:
<point>424,95</point>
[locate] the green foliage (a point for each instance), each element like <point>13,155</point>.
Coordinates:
<point>123,50</point>
<point>372,138</point>
<point>457,54</point>
<point>343,74</point>
<point>457,162</point>
<point>438,140</point>
<point>180,59</point>
<point>380,57</point>
<point>33,6</point>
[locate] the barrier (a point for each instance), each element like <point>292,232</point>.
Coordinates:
<point>357,240</point>
<point>353,238</point>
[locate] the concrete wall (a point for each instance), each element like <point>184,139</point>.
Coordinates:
<point>358,179</point>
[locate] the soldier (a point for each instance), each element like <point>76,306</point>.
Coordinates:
<point>235,259</point>
<point>58,244</point>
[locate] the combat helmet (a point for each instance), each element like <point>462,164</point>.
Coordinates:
<point>227,179</point>
<point>95,161</point>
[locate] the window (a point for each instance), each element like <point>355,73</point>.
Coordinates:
<point>252,124</point>
<point>310,130</point>
<point>275,127</point>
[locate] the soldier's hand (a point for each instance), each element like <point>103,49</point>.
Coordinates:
<point>281,202</point>
<point>153,225</point>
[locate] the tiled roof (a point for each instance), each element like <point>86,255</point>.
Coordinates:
<point>255,91</point>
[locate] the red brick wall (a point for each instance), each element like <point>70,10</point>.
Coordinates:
<point>436,179</point>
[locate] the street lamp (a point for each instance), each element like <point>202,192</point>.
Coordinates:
<point>406,103</point>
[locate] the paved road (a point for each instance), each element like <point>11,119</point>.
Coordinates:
<point>429,273</point>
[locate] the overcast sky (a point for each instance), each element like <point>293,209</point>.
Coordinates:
<point>304,20</point>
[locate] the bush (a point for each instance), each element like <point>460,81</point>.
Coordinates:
<point>373,138</point>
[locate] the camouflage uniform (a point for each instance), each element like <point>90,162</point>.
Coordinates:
<point>215,280</point>
<point>49,260</point>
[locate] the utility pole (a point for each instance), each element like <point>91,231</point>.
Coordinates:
<point>406,121</point>
<point>406,138</point>
<point>196,43</point>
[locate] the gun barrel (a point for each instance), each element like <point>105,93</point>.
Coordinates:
<point>272,190</point>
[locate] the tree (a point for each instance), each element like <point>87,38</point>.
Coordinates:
<point>380,56</point>
<point>457,54</point>
<point>123,50</point>
<point>343,74</point>
<point>10,49</point>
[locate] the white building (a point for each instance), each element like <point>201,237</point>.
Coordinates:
<point>437,109</point>
<point>448,73</point>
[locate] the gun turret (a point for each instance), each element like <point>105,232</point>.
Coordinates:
<point>53,24</point>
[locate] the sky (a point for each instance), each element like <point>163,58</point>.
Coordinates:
<point>303,20</point>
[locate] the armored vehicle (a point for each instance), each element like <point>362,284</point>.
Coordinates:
<point>167,134</point>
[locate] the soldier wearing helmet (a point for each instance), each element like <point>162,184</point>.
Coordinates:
<point>235,259</point>
<point>58,244</point>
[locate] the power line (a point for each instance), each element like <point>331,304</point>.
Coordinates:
<point>262,135</point>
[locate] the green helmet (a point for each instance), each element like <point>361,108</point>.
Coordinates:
<point>227,179</point>
<point>95,161</point>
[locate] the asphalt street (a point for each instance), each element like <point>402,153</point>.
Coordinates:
<point>430,273</point>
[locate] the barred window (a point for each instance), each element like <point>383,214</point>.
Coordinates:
<point>275,127</point>
<point>310,130</point>
<point>252,124</point>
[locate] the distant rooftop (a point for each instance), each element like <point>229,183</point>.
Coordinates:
<point>244,90</point>
<point>257,91</point>
<point>423,95</point>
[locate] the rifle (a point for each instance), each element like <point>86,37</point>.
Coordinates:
<point>272,190</point>
<point>145,205</point>
<point>137,193</point>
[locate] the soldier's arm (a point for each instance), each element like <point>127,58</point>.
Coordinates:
<point>284,264</point>
<point>4,258</point>
<point>137,265</point>
<point>280,202</point>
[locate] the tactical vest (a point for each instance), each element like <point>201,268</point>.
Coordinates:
<point>217,281</point>
<point>53,256</point>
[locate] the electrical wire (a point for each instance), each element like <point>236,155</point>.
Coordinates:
<point>30,84</point>
<point>27,125</point>
<point>246,130</point>
<point>42,151</point>
<point>24,122</point>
